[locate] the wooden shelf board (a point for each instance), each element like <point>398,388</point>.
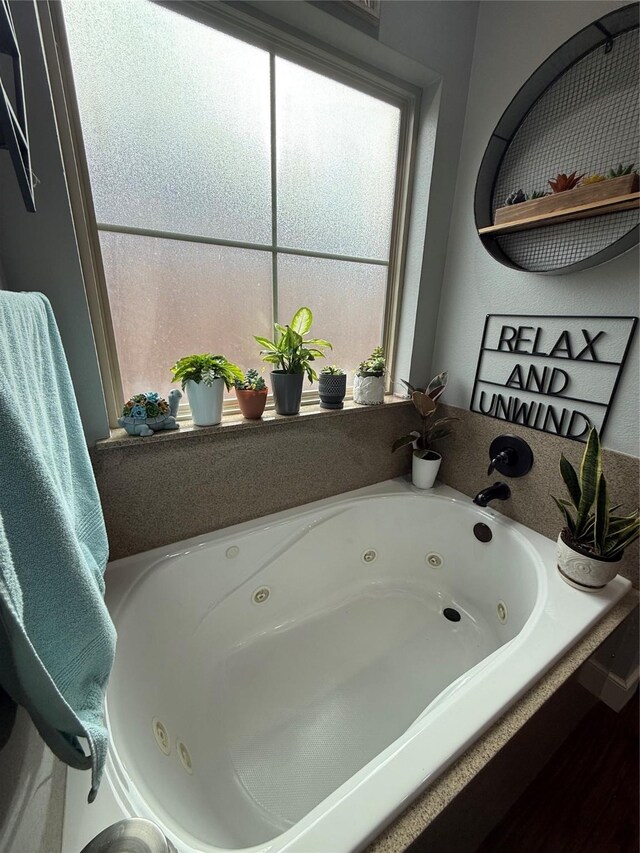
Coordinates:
<point>582,211</point>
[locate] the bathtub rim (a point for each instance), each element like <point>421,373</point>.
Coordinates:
<point>358,795</point>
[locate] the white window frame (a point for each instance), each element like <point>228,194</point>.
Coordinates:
<point>281,41</point>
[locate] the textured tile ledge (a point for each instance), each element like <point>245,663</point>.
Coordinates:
<point>411,823</point>
<point>234,422</point>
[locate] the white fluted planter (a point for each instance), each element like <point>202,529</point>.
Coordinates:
<point>368,390</point>
<point>205,401</point>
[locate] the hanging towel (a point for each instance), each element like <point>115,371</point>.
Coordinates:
<point>56,638</point>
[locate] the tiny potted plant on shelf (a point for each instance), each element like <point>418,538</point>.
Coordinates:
<point>332,386</point>
<point>425,460</point>
<point>251,393</point>
<point>292,353</point>
<point>368,383</point>
<point>594,538</point>
<point>204,378</point>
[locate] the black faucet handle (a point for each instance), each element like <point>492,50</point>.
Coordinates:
<point>510,455</point>
<point>504,457</point>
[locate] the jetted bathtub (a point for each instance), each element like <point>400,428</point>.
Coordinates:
<point>294,682</point>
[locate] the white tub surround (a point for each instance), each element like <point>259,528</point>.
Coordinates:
<point>306,674</point>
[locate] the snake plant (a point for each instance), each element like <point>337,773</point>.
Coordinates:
<point>591,523</point>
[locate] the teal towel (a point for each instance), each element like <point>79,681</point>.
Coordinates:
<point>58,640</point>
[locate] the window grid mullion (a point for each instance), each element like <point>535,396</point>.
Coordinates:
<point>235,244</point>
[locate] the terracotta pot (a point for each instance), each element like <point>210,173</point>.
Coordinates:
<point>582,569</point>
<point>424,468</point>
<point>252,403</point>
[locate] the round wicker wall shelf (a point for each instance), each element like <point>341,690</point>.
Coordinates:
<point>577,112</point>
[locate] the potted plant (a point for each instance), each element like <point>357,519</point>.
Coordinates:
<point>332,386</point>
<point>292,353</point>
<point>594,538</point>
<point>425,461</point>
<point>252,394</point>
<point>204,378</point>
<point>368,383</point>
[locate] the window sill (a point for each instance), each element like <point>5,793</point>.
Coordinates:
<point>232,422</point>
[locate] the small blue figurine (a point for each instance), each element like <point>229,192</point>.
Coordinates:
<point>144,414</point>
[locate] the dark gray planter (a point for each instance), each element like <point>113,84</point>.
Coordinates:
<point>287,391</point>
<point>332,390</point>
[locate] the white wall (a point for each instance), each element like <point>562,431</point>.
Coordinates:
<point>513,39</point>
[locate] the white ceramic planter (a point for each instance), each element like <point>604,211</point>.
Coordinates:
<point>425,471</point>
<point>582,571</point>
<point>205,401</point>
<point>368,390</point>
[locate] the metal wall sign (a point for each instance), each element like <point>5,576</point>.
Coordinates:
<point>556,374</point>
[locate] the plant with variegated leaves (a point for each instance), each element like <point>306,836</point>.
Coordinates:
<point>591,523</point>
<point>291,351</point>
<point>426,402</point>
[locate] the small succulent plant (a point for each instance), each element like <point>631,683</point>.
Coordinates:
<point>620,171</point>
<point>516,197</point>
<point>332,370</point>
<point>374,365</point>
<point>592,179</point>
<point>561,183</point>
<point>252,381</point>
<point>148,405</point>
<point>538,194</point>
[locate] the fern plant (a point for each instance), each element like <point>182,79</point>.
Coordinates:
<point>591,523</point>
<point>291,351</point>
<point>426,402</point>
<point>205,368</point>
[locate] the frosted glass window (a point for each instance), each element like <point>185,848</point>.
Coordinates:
<point>175,119</point>
<point>347,300</point>
<point>337,150</point>
<point>171,298</point>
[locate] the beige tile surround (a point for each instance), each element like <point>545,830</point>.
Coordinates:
<point>173,486</point>
<point>170,487</point>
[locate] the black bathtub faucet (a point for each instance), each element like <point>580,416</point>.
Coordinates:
<point>497,492</point>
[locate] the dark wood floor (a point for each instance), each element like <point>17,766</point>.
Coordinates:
<point>586,800</point>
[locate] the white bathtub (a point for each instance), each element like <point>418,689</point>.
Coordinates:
<point>304,674</point>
